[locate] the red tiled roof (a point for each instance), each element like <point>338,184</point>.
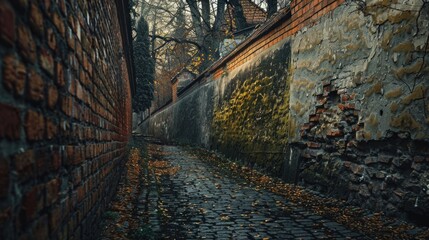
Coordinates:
<point>252,12</point>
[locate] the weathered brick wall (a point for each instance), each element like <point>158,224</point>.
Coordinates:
<point>356,120</point>
<point>65,116</point>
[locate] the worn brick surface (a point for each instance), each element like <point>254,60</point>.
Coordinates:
<point>65,116</point>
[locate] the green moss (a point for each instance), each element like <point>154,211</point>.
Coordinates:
<point>254,113</point>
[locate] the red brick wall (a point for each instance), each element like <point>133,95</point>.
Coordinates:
<point>302,13</point>
<point>65,116</point>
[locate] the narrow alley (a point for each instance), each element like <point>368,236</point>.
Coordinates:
<point>291,119</point>
<point>177,192</point>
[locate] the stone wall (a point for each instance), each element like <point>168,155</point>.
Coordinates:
<point>65,116</point>
<point>338,88</point>
<point>359,94</point>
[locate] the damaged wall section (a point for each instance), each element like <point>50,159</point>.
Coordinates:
<point>359,93</point>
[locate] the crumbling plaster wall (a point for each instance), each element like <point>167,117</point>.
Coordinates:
<point>359,93</point>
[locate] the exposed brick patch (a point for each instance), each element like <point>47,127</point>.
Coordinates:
<point>66,118</point>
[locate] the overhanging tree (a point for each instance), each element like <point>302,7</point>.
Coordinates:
<point>145,68</point>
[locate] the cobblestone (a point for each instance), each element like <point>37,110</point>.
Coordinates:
<point>188,193</point>
<point>197,203</point>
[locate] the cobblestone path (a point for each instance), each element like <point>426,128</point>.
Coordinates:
<point>197,202</point>
<point>179,195</point>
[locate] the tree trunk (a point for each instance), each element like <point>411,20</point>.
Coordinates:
<point>220,14</point>
<point>205,10</point>
<point>240,19</point>
<point>196,20</point>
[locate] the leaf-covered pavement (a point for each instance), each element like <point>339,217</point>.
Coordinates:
<point>187,193</point>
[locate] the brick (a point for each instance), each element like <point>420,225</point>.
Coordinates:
<point>11,122</point>
<point>334,133</point>
<point>77,176</point>
<point>70,154</point>
<point>41,229</point>
<point>7,23</point>
<point>63,7</point>
<point>51,129</point>
<point>55,218</point>
<point>47,61</point>
<point>34,126</point>
<point>314,118</point>
<point>348,106</point>
<point>56,158</point>
<point>36,19</point>
<point>32,203</point>
<point>52,191</point>
<point>47,6</point>
<point>60,74</point>
<point>26,44</point>
<point>14,75</point>
<point>36,86</point>
<point>80,193</point>
<point>79,91</point>
<point>52,40</point>
<point>42,161</point>
<point>67,105</point>
<point>71,42</point>
<point>52,97</point>
<point>58,22</point>
<point>24,164</point>
<point>4,177</point>
<point>313,145</point>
